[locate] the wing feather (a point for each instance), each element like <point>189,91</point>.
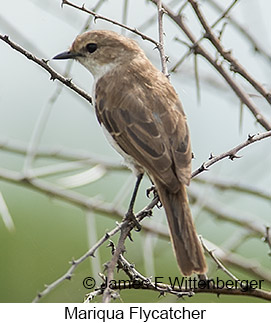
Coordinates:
<point>151,129</point>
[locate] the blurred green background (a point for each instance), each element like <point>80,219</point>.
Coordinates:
<point>48,232</point>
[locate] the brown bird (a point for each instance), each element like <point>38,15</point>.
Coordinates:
<point>143,119</point>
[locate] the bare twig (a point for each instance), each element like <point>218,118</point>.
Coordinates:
<point>191,48</point>
<point>46,111</point>
<point>124,226</point>
<point>92,295</point>
<point>36,137</point>
<point>243,30</point>
<point>267,238</point>
<point>125,232</point>
<point>74,198</point>
<point>238,187</point>
<point>113,262</point>
<point>125,14</point>
<point>79,156</point>
<point>98,16</point>
<point>226,215</point>
<point>44,64</point>
<point>70,63</point>
<point>241,263</point>
<point>258,293</point>
<point>199,49</point>
<point>161,47</point>
<point>153,19</point>
<point>218,262</point>
<point>76,263</point>
<point>5,214</point>
<point>227,55</point>
<point>232,153</point>
<point>139,281</point>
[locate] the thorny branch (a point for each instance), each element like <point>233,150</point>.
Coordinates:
<point>232,153</point>
<point>218,262</point>
<point>44,64</point>
<point>200,50</point>
<point>139,281</point>
<point>244,31</point>
<point>161,46</point>
<point>234,186</point>
<point>163,289</point>
<point>191,48</point>
<point>125,227</point>
<point>235,66</point>
<point>98,16</point>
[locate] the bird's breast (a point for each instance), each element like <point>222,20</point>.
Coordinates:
<point>129,161</point>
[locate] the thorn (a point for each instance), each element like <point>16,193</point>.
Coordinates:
<point>228,52</point>
<point>72,262</point>
<point>211,156</point>
<point>45,60</point>
<point>69,277</point>
<point>95,18</point>
<point>159,204</point>
<point>191,294</point>
<point>234,156</point>
<point>250,137</point>
<point>163,11</point>
<point>148,213</point>
<point>206,35</point>
<point>203,168</point>
<point>149,190</point>
<point>115,295</point>
<point>105,266</point>
<point>233,68</point>
<point>180,295</point>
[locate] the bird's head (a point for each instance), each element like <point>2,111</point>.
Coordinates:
<point>101,50</point>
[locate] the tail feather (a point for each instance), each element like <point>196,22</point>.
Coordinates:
<point>186,244</point>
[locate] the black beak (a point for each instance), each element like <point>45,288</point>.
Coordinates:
<point>67,55</point>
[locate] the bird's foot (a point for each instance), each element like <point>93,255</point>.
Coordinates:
<point>153,190</point>
<point>131,217</point>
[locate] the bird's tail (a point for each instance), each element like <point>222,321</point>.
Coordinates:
<point>186,244</point>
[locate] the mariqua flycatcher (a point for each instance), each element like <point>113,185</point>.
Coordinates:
<point>143,119</point>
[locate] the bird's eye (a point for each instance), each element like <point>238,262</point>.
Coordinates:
<point>91,47</point>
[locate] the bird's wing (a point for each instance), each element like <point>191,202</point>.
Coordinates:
<point>150,130</point>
